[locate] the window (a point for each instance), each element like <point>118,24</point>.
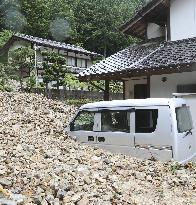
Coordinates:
<point>184,120</point>
<point>83,121</point>
<point>115,121</point>
<point>191,88</point>
<point>81,63</point>
<point>71,61</point>
<point>146,121</point>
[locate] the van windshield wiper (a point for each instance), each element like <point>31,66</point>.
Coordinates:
<point>189,132</point>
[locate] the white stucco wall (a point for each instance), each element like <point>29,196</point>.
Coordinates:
<point>183,19</point>
<point>166,89</point>
<point>18,44</point>
<point>155,31</point>
<point>161,89</point>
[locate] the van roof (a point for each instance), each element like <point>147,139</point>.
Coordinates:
<point>134,103</point>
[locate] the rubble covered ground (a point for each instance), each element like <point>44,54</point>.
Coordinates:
<point>40,164</point>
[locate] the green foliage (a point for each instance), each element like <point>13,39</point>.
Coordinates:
<point>11,16</point>
<point>22,60</point>
<point>72,82</point>
<point>42,14</point>
<point>31,82</point>
<point>116,87</point>
<point>5,35</point>
<point>78,102</point>
<point>6,73</point>
<point>174,167</point>
<point>93,24</point>
<point>98,22</point>
<point>54,69</point>
<point>3,77</point>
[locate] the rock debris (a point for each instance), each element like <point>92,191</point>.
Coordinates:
<point>41,165</point>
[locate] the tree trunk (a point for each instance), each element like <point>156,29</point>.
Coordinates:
<point>107,90</point>
<point>105,50</point>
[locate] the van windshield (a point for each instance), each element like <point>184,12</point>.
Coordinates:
<point>83,121</point>
<point>184,120</point>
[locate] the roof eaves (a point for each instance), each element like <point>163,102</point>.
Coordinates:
<point>54,44</point>
<point>181,57</point>
<point>140,14</point>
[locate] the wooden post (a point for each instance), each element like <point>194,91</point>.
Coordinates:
<point>148,86</point>
<point>107,90</point>
<point>124,94</point>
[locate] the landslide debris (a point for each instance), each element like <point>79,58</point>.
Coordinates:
<point>40,164</point>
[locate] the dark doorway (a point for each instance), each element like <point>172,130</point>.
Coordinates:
<point>141,91</point>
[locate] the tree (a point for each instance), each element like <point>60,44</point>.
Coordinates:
<point>11,16</point>
<point>5,35</point>
<point>3,77</point>
<point>6,72</point>
<point>42,15</point>
<point>93,24</point>
<point>54,69</point>
<point>98,21</point>
<point>22,60</point>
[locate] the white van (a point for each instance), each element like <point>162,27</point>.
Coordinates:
<point>151,128</point>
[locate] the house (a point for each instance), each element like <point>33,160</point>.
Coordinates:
<point>164,63</point>
<point>77,57</point>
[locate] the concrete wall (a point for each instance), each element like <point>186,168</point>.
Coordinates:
<point>76,94</point>
<point>183,19</point>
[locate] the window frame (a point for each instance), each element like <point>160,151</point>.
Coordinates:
<point>129,110</point>
<point>147,108</point>
<point>177,121</point>
<point>72,124</point>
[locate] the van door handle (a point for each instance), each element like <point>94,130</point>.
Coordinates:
<point>91,138</point>
<point>101,139</point>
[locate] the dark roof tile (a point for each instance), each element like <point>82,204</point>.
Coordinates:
<point>146,56</point>
<point>56,44</point>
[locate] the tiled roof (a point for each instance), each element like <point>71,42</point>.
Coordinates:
<point>55,44</point>
<point>172,53</point>
<point>121,60</point>
<point>145,56</point>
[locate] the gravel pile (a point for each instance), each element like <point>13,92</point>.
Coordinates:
<point>39,164</point>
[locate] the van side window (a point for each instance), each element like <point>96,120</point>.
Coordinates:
<point>115,121</point>
<point>184,120</point>
<point>146,120</point>
<point>84,121</point>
